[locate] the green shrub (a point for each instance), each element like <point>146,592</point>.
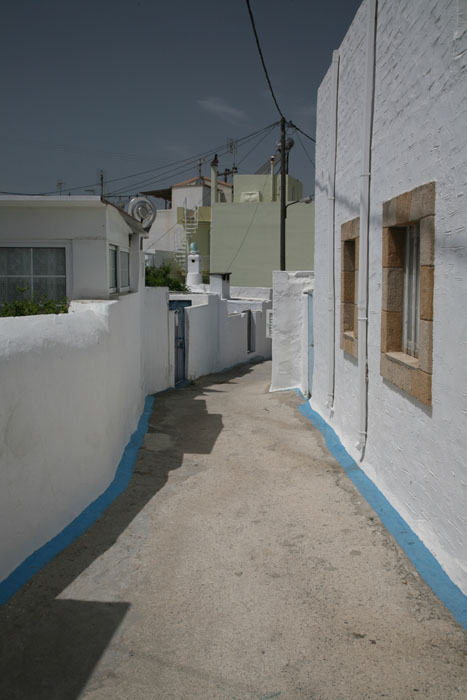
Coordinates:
<point>163,277</point>
<point>33,306</point>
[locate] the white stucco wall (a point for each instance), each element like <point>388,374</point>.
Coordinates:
<point>73,388</point>
<point>264,293</point>
<point>165,234</point>
<point>202,331</point>
<point>216,337</point>
<point>192,196</point>
<point>290,330</point>
<point>415,454</point>
<point>157,344</point>
<point>84,226</point>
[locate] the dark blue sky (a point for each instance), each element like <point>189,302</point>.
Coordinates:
<point>129,86</point>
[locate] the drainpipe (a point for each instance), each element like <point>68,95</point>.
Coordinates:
<point>331,215</point>
<point>365,229</point>
<point>214,164</point>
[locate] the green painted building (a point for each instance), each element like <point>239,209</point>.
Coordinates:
<point>245,233</point>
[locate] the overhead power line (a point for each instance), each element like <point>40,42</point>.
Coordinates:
<point>305,151</point>
<point>252,19</point>
<point>147,182</point>
<point>297,128</point>
<point>256,145</point>
<point>186,161</point>
<point>162,170</point>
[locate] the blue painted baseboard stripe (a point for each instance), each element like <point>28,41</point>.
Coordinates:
<point>425,563</point>
<point>42,556</point>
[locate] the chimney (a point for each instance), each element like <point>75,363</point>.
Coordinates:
<point>219,283</point>
<point>194,276</point>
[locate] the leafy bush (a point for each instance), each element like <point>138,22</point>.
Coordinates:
<point>33,306</point>
<point>163,277</point>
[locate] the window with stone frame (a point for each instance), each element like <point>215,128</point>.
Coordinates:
<point>407,299</point>
<point>350,232</point>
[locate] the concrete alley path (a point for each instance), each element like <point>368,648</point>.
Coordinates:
<point>240,564</point>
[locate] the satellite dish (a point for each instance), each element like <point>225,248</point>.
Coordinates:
<point>143,210</point>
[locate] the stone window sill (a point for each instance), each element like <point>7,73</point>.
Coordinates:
<point>402,359</point>
<point>404,371</point>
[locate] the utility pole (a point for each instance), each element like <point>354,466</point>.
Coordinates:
<point>101,180</point>
<point>283,195</point>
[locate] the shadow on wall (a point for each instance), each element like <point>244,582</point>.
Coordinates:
<point>50,647</point>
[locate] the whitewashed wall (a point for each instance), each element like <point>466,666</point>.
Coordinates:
<point>415,455</point>
<point>73,389</point>
<point>263,293</point>
<point>84,226</point>
<point>217,339</point>
<point>157,340</point>
<point>290,330</point>
<point>165,234</point>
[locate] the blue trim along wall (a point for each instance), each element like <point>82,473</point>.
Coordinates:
<point>419,555</point>
<point>38,559</point>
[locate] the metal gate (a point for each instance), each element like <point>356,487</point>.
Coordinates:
<point>311,342</point>
<point>179,308</point>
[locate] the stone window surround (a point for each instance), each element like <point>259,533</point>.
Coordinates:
<point>350,235</point>
<point>412,375</point>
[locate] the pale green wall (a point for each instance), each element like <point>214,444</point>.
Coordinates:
<point>262,184</point>
<point>245,240</point>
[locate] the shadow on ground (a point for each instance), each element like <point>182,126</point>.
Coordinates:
<point>49,647</point>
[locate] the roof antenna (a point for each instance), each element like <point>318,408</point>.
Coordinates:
<point>232,146</point>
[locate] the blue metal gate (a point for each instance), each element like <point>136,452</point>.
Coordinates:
<point>179,308</point>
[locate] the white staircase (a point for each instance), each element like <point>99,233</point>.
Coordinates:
<point>190,225</point>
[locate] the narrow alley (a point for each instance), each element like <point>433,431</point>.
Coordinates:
<point>240,564</point>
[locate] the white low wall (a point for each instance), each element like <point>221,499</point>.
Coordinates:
<point>262,293</point>
<point>73,389</point>
<point>157,340</point>
<point>290,330</point>
<point>201,333</point>
<point>217,339</point>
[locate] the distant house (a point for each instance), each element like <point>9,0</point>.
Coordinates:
<point>79,247</point>
<point>186,219</point>
<point>390,329</point>
<point>245,233</point>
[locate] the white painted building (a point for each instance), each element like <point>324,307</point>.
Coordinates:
<point>167,233</point>
<point>390,373</point>
<point>79,247</point>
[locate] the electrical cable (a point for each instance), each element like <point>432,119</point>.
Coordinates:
<point>190,160</point>
<point>305,151</point>
<point>255,146</point>
<point>262,59</point>
<point>151,181</point>
<point>297,128</point>
<point>147,182</point>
